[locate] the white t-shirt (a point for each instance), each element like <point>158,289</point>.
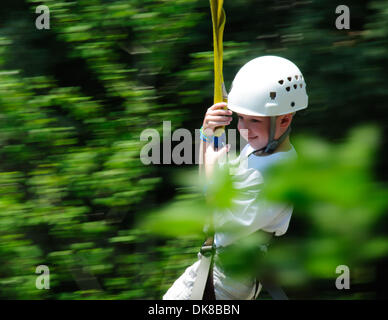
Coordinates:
<point>249,212</point>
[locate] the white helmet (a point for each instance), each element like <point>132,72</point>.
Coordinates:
<point>268,86</point>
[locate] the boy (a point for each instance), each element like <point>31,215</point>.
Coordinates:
<point>265,94</point>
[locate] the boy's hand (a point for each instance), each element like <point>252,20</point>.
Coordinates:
<point>215,117</point>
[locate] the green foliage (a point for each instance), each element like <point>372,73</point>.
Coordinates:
<point>71,176</point>
<point>335,193</point>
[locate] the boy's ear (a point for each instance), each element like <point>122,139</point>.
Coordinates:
<point>285,120</point>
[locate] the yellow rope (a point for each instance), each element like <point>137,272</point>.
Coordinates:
<point>218,20</point>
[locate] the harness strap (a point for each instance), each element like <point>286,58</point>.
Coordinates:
<point>205,267</point>
<point>210,293</point>
<point>258,287</point>
<point>208,249</point>
<point>272,143</point>
<point>218,21</point>
<point>274,290</point>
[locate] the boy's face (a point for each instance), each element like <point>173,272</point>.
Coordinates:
<point>258,128</point>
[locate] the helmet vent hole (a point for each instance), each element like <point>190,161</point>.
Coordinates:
<point>301,77</point>
<point>281,81</point>
<point>296,77</point>
<point>292,104</point>
<point>289,78</point>
<point>301,85</point>
<point>288,88</point>
<point>272,95</point>
<point>295,86</point>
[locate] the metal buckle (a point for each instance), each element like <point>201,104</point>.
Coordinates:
<point>207,251</point>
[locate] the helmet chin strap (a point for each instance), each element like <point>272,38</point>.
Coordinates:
<point>272,143</point>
